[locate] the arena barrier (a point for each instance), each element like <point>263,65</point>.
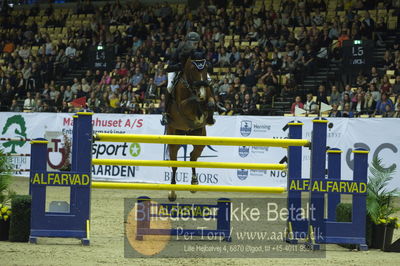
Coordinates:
<point>316,231</point>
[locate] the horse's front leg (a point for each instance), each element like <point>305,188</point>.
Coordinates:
<point>194,155</point>
<point>173,155</point>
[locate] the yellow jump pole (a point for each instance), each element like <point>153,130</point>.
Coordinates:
<point>179,187</point>
<point>200,140</point>
<point>257,166</point>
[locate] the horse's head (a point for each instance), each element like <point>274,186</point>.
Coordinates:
<point>196,74</point>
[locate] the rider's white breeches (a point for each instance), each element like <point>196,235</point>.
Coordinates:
<point>171,77</point>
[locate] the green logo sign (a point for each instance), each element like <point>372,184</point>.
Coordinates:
<point>134,149</point>
<point>17,122</point>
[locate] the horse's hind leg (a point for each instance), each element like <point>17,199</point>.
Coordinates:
<point>197,150</point>
<point>173,155</point>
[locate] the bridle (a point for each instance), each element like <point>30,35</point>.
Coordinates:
<point>191,85</point>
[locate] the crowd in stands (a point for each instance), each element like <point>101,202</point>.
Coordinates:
<point>373,94</point>
<point>261,53</point>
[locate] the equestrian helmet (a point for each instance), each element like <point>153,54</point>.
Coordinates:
<point>193,37</point>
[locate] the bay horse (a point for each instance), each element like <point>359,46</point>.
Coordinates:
<point>189,109</point>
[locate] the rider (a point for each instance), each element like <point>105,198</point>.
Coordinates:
<point>176,64</point>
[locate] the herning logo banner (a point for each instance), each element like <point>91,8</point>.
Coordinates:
<point>244,151</point>
<point>245,127</point>
<point>242,174</point>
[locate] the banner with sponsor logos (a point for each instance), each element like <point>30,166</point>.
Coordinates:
<point>380,136</point>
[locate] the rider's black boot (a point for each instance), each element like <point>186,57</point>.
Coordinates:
<point>165,116</point>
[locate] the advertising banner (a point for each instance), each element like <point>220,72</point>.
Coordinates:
<point>380,136</point>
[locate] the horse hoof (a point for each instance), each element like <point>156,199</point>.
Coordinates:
<point>172,196</point>
<point>194,182</point>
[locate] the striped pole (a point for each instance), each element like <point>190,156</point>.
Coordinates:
<point>17,170</point>
<point>224,165</point>
<point>14,139</point>
<point>16,154</point>
<point>200,140</point>
<point>179,187</point>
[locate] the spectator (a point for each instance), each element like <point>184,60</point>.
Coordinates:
<point>388,61</point>
<point>137,77</point>
<point>389,112</point>
<point>386,87</point>
<point>348,91</point>
<point>228,108</point>
<point>85,87</point>
<point>335,112</point>
<point>38,106</point>
<point>369,103</point>
<point>68,95</point>
<point>359,105</point>
<point>308,59</point>
<point>151,89</point>
<point>368,25</point>
<point>105,79</point>
<point>237,104</point>
<point>222,89</point>
<point>65,108</point>
<point>160,79</point>
<point>24,52</point>
<point>335,96</point>
<point>61,63</point>
<point>374,76</point>
<point>381,105</point>
<point>29,102</point>
<point>114,103</point>
<point>361,80</point>
<point>235,56</point>
<point>14,106</point>
<point>343,37</point>
<point>223,58</point>
<point>346,100</point>
<point>310,106</point>
<point>346,112</point>
<point>255,97</point>
<point>396,87</point>
<point>297,103</point>
<point>248,107</point>
<point>71,54</point>
<point>53,93</point>
<point>380,31</point>
<point>269,78</point>
<point>317,19</point>
<point>376,95</point>
<point>321,95</point>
